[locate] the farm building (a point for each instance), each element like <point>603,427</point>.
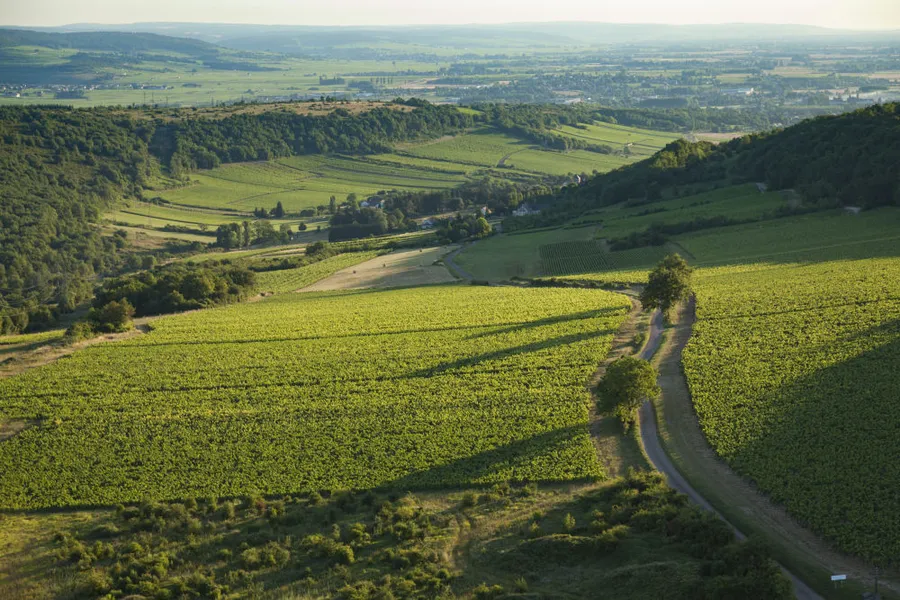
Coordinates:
<point>526,209</point>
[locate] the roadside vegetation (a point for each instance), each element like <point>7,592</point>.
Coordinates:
<point>631,537</point>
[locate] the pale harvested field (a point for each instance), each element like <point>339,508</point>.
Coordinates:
<point>397,269</point>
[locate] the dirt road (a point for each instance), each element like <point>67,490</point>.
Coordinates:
<point>455,268</point>
<point>660,460</point>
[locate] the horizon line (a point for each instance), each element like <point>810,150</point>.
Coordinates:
<point>468,24</point>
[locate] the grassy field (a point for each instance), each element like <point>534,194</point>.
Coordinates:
<point>486,148</point>
<point>136,234</point>
<point>506,256</point>
<point>589,256</point>
<point>815,237</point>
<point>306,182</point>
<point>819,236</point>
<point>290,280</point>
<point>734,202</point>
<point>435,386</point>
<point>574,251</point>
<point>639,142</point>
<point>400,268</point>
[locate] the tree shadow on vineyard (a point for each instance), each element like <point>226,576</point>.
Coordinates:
<point>550,447</point>
<point>830,446</point>
<point>555,320</point>
<point>546,344</point>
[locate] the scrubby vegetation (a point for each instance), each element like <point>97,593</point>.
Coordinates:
<point>629,538</point>
<point>175,288</point>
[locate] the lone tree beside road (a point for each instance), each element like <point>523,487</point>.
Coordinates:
<point>669,283</point>
<point>628,381</point>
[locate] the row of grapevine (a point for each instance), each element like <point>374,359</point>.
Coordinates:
<point>417,387</point>
<point>290,280</point>
<point>591,256</point>
<point>793,373</point>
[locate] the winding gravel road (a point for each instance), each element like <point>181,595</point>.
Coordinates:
<point>660,460</point>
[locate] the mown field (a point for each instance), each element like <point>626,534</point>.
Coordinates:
<point>303,182</point>
<point>792,369</point>
<point>488,148</point>
<point>436,386</point>
<point>586,256</point>
<point>289,280</point>
<point>639,142</point>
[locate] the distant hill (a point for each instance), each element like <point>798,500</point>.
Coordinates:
<point>98,52</point>
<point>107,41</point>
<point>297,39</point>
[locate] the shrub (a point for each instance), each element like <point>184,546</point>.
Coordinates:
<point>484,592</point>
<point>79,331</point>
<point>114,317</point>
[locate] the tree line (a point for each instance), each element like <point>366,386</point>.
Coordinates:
<point>189,143</point>
<point>849,159</point>
<point>62,168</point>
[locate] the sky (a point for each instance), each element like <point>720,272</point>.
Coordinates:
<point>844,14</point>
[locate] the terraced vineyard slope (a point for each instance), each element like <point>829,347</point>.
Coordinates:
<point>435,386</point>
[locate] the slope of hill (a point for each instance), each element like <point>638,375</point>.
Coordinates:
<point>851,158</point>
<point>61,168</point>
<point>110,41</point>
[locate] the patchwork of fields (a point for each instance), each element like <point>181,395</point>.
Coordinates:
<point>576,250</point>
<point>289,280</point>
<point>487,148</point>
<point>304,182</point>
<point>435,386</point>
<point>300,182</point>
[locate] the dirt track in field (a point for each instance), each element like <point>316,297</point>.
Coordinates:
<point>680,432</point>
<point>402,268</point>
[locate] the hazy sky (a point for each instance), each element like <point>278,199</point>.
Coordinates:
<point>860,14</point>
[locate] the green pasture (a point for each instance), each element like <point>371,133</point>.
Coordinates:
<point>487,148</point>
<point>831,235</point>
<point>734,202</point>
<point>640,142</point>
<point>301,182</point>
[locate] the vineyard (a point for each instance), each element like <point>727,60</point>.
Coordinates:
<point>588,256</point>
<point>435,386</point>
<point>792,370</point>
<point>289,280</point>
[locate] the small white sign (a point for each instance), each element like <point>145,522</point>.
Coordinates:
<point>838,577</point>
